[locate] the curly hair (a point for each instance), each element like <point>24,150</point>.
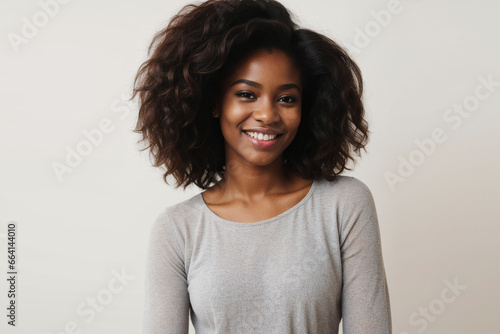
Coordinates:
<point>189,59</point>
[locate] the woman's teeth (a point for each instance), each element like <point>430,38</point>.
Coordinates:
<point>260,136</point>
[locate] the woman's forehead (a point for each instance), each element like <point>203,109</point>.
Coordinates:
<point>263,67</point>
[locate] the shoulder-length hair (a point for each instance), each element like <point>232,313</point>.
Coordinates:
<point>187,63</point>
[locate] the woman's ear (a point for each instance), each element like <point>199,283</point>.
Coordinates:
<point>215,109</point>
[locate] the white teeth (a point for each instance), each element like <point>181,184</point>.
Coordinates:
<point>260,136</point>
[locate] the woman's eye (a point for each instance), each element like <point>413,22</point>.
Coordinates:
<point>251,96</point>
<point>246,95</point>
<point>288,99</point>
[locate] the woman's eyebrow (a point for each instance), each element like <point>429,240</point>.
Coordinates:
<point>258,85</point>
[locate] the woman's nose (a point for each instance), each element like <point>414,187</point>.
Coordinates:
<point>267,112</point>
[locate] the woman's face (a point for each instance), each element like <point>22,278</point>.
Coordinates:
<point>260,108</point>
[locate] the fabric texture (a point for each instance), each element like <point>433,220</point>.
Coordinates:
<point>299,272</point>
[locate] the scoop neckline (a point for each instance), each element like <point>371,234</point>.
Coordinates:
<point>213,215</point>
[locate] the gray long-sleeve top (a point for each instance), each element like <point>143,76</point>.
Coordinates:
<point>298,272</point>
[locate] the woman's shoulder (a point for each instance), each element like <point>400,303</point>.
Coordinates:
<point>347,193</point>
<point>179,211</point>
<point>344,185</point>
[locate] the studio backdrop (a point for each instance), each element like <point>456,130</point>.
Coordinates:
<point>78,197</point>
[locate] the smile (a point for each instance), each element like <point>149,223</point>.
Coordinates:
<point>262,140</point>
<point>261,136</point>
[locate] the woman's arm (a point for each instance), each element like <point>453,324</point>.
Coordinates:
<point>166,296</point>
<point>365,295</point>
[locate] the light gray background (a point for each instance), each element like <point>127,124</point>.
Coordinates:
<point>75,233</point>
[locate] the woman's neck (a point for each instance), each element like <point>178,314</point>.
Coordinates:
<point>251,184</point>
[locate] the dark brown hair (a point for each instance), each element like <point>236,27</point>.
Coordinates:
<point>188,60</point>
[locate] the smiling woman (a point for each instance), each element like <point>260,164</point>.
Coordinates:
<point>263,116</point>
<point>266,100</point>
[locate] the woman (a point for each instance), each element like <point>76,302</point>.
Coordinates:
<point>263,116</point>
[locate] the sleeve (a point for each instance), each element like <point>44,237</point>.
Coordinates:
<point>166,296</point>
<point>365,295</point>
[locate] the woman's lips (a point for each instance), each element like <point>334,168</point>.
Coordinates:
<point>262,143</point>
